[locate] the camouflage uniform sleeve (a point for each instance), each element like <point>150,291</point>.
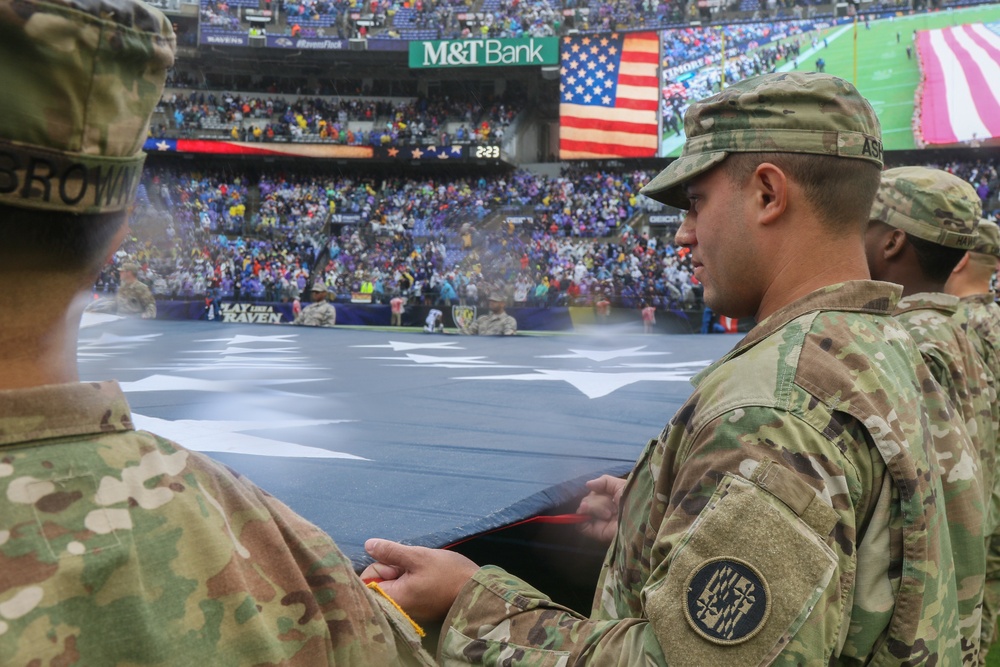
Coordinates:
<point>991,592</point>
<point>700,572</point>
<point>509,326</point>
<point>362,628</point>
<point>986,327</point>
<point>499,619</point>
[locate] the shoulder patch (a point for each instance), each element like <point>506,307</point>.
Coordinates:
<point>728,601</point>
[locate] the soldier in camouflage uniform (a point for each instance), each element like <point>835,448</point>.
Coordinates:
<point>133,297</point>
<point>319,313</point>
<point>921,224</point>
<point>970,280</point>
<point>498,322</point>
<point>788,513</point>
<point>116,546</point>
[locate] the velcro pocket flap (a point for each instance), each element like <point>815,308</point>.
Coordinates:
<point>742,581</point>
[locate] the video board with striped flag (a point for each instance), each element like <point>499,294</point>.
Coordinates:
<point>960,99</point>
<point>608,95</point>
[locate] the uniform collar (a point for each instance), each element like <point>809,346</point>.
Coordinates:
<point>858,296</point>
<point>63,410</point>
<point>985,298</point>
<point>945,303</point>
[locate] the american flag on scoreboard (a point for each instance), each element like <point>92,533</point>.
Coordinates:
<point>608,95</point>
<point>961,92</point>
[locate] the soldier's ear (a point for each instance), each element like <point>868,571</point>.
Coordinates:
<point>893,244</point>
<point>962,263</point>
<point>769,187</point>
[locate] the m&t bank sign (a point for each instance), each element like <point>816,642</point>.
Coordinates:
<point>485,52</point>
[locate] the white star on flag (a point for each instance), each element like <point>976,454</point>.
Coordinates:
<point>398,346</point>
<point>604,355</point>
<point>179,383</point>
<point>228,437</point>
<point>429,359</point>
<point>592,385</point>
<point>239,339</point>
<point>112,340</point>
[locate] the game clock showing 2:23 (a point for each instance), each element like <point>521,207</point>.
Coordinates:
<point>486,153</point>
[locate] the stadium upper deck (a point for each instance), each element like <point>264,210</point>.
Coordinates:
<point>323,23</point>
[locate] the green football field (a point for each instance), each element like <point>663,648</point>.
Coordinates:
<point>884,74</point>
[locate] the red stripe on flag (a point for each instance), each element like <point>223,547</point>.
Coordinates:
<point>992,120</point>
<point>611,150</point>
<point>609,125</point>
<point>982,94</point>
<point>634,80</point>
<point>935,124</point>
<point>641,57</point>
<point>220,147</point>
<point>640,105</point>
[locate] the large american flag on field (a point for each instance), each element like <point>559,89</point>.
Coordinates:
<point>608,95</point>
<point>961,87</point>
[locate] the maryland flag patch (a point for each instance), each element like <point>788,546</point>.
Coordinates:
<point>727,601</point>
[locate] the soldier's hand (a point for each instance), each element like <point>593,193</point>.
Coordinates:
<point>602,504</point>
<point>424,582</point>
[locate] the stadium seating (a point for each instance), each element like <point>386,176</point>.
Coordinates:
<point>195,239</point>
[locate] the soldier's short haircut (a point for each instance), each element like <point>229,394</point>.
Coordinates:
<point>840,190</point>
<point>936,261</point>
<point>55,241</point>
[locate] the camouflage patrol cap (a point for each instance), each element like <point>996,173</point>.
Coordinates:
<point>80,79</point>
<point>318,287</point>
<point>496,292</point>
<point>930,204</point>
<point>790,112</point>
<point>988,239</point>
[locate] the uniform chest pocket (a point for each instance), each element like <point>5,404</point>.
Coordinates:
<point>60,518</point>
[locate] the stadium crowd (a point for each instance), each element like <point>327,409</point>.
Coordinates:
<point>463,19</point>
<point>351,121</point>
<point>565,240</point>
<point>696,43</point>
<point>419,238</point>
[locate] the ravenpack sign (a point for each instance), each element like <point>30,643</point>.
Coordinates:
<point>484,52</point>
